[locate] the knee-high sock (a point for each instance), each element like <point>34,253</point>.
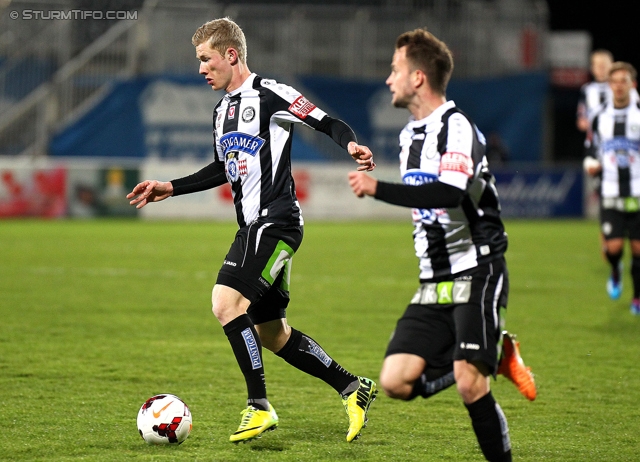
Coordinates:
<point>614,261</point>
<point>490,427</point>
<point>635,274</point>
<point>304,353</point>
<point>433,381</point>
<point>247,348</point>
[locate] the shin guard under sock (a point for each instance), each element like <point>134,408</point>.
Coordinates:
<point>490,427</point>
<point>303,353</point>
<point>247,348</point>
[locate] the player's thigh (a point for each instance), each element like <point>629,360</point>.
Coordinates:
<point>633,226</point>
<point>613,224</point>
<point>425,331</point>
<point>259,259</point>
<point>401,368</point>
<point>477,322</point>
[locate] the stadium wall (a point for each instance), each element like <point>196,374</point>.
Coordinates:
<point>90,188</point>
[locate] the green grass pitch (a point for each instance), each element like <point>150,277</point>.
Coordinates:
<point>97,316</point>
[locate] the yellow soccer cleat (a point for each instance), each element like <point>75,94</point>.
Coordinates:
<point>254,423</point>
<point>513,368</point>
<point>357,404</point>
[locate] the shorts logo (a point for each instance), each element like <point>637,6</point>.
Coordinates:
<point>232,113</point>
<point>442,293</point>
<point>252,348</point>
<point>230,263</point>
<point>469,346</point>
<point>248,114</point>
<point>301,107</point>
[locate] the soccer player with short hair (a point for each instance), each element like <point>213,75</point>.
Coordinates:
<point>252,130</point>
<point>596,93</point>
<point>613,152</point>
<point>451,329</point>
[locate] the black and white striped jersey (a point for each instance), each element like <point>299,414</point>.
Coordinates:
<point>447,147</point>
<point>253,131</point>
<point>615,142</point>
<point>595,95</point>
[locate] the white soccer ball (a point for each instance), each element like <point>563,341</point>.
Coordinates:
<point>164,419</point>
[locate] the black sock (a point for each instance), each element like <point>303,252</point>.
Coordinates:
<point>432,381</point>
<point>247,348</point>
<point>490,427</point>
<point>614,260</point>
<point>303,353</point>
<point>635,275</point>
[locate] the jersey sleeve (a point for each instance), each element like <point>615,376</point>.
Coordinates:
<point>206,178</point>
<point>288,105</point>
<point>456,162</point>
<point>581,110</point>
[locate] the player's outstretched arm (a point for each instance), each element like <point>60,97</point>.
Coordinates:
<point>362,155</point>
<point>362,184</point>
<point>150,191</point>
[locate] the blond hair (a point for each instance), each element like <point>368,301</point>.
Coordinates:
<point>222,34</point>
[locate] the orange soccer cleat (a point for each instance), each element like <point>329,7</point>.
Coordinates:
<point>513,368</point>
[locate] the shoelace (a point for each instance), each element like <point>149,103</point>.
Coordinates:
<point>247,415</point>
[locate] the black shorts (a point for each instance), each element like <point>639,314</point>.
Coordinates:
<point>258,265</point>
<point>457,319</point>
<point>617,224</point>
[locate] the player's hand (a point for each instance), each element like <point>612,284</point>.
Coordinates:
<point>362,155</point>
<point>591,166</point>
<point>362,184</point>
<point>150,191</point>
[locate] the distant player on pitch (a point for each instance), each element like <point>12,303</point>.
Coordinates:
<point>252,132</point>
<point>451,329</point>
<point>613,152</point>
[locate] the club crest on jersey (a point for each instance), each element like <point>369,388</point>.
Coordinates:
<point>241,142</point>
<point>235,169</point>
<point>301,107</point>
<point>248,114</point>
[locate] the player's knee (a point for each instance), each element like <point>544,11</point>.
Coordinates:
<point>472,380</point>
<point>394,387</point>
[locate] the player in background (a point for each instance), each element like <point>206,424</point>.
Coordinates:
<point>451,330</point>
<point>252,130</point>
<point>597,92</point>
<point>613,145</point>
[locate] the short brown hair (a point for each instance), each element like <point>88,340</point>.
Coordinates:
<point>603,52</point>
<point>430,55</point>
<point>222,34</point>
<point>622,66</point>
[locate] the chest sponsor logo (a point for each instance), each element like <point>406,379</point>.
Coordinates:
<point>241,142</point>
<point>248,114</point>
<point>417,178</point>
<point>301,107</point>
